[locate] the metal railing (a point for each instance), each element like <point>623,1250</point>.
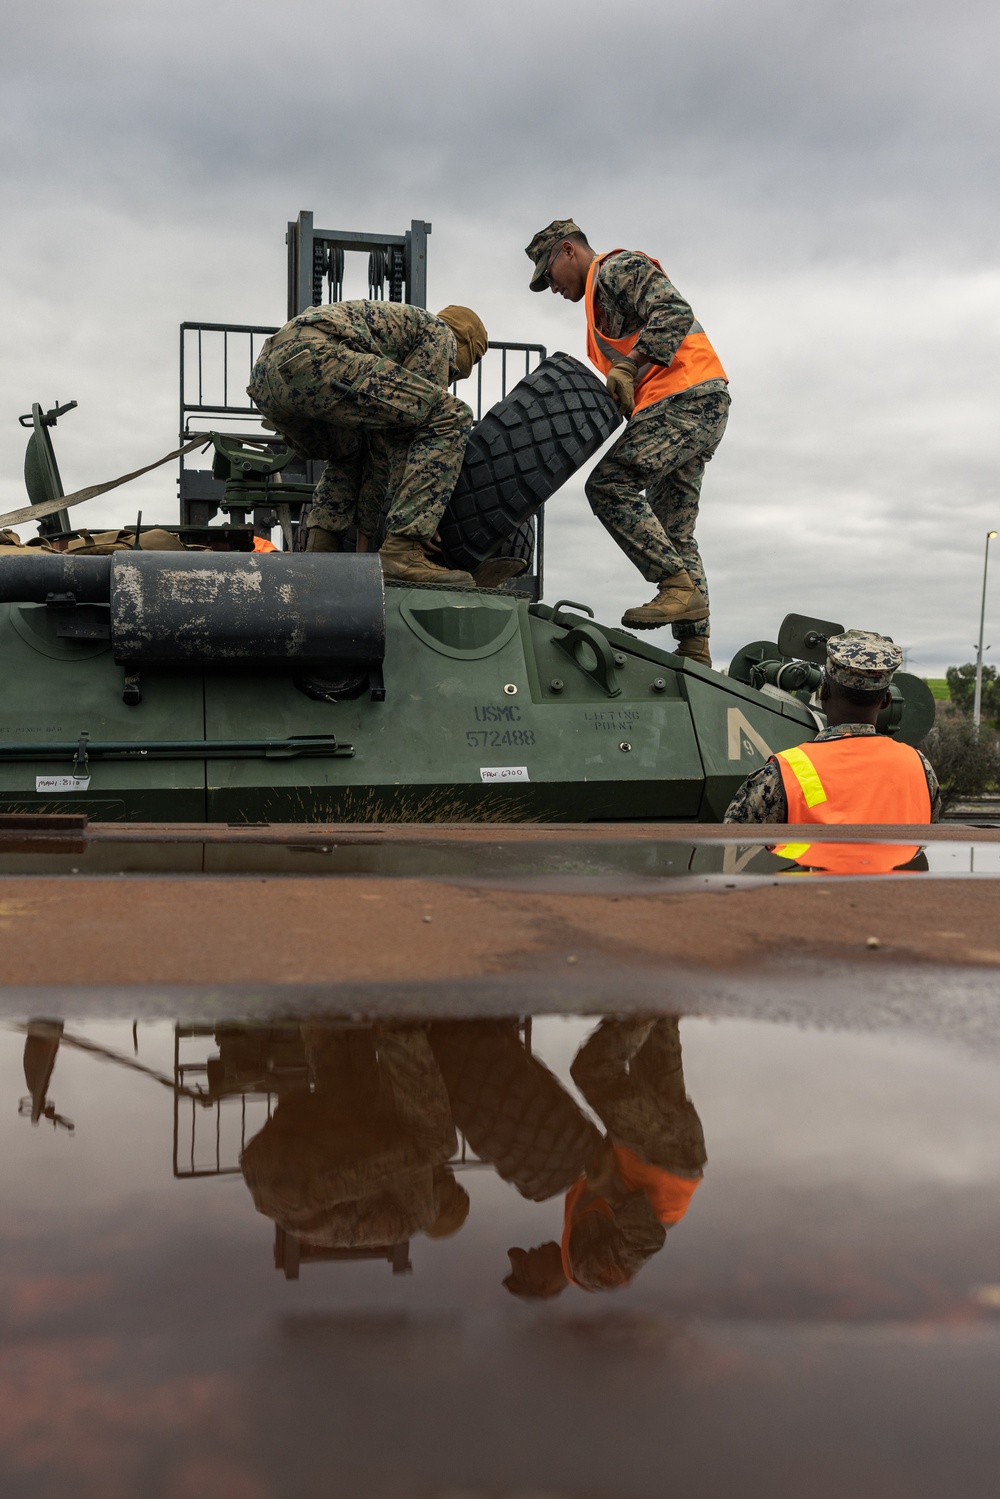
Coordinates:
<point>211,1130</point>
<point>214,368</point>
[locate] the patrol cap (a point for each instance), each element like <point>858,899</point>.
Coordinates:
<point>543,244</point>
<point>862,659</point>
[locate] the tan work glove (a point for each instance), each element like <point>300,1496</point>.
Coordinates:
<point>621,385</point>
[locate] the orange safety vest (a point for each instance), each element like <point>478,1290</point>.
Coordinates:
<point>694,363</point>
<point>846,858</point>
<point>669,1195</point>
<point>260,544</point>
<point>862,778</point>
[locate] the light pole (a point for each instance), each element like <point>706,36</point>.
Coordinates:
<point>977,704</point>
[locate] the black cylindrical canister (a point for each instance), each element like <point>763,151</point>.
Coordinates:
<point>246,607</point>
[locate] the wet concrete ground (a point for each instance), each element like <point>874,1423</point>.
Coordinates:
<point>360,910</point>
<point>821,1320</point>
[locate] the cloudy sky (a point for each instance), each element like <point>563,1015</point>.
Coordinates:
<point>819,178</point>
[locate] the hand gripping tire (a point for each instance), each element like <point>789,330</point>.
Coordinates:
<point>524,448</point>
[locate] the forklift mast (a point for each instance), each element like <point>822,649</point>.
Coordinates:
<point>316,264</point>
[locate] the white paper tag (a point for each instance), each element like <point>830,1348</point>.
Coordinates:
<point>62,783</point>
<point>503,773</point>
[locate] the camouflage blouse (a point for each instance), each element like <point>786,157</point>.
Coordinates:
<point>390,330</point>
<point>633,293</point>
<point>761,798</point>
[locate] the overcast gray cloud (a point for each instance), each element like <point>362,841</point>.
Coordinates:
<point>818,178</point>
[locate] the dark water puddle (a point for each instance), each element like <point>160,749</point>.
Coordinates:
<point>628,864</point>
<point>296,1258</point>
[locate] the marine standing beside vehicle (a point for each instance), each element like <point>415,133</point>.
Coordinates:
<point>668,382</point>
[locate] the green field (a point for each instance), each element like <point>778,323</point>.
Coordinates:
<point>939,687</point>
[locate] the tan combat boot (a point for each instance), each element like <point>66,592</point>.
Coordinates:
<point>678,599</point>
<point>319,539</point>
<point>403,558</point>
<point>695,648</point>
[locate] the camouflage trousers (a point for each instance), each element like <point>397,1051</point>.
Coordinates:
<point>631,1074</point>
<point>645,491</point>
<point>335,401</point>
<point>363,471</point>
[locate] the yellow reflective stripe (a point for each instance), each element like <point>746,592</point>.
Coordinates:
<point>791,850</point>
<point>806,774</point>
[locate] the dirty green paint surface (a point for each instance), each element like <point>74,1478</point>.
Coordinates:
<point>469,698</point>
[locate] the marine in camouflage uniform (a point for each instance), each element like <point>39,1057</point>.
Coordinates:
<point>860,662</point>
<point>762,798</point>
<point>631,1073</point>
<point>364,384</point>
<point>362,1159</point>
<point>646,490</point>
<point>666,446</point>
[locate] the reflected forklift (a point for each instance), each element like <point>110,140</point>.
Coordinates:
<point>253,1065</point>
<point>256,1064</point>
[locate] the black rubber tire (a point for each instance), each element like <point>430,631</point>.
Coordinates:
<point>524,448</point>
<point>521,543</point>
<point>511,1110</point>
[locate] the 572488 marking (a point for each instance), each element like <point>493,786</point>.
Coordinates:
<point>498,738</point>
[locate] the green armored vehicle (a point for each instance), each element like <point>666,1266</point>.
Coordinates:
<point>226,684</point>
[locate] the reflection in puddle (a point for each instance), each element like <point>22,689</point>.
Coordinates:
<point>635,1182</point>
<point>557,862</point>
<point>806,1304</point>
<point>359,1145</point>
